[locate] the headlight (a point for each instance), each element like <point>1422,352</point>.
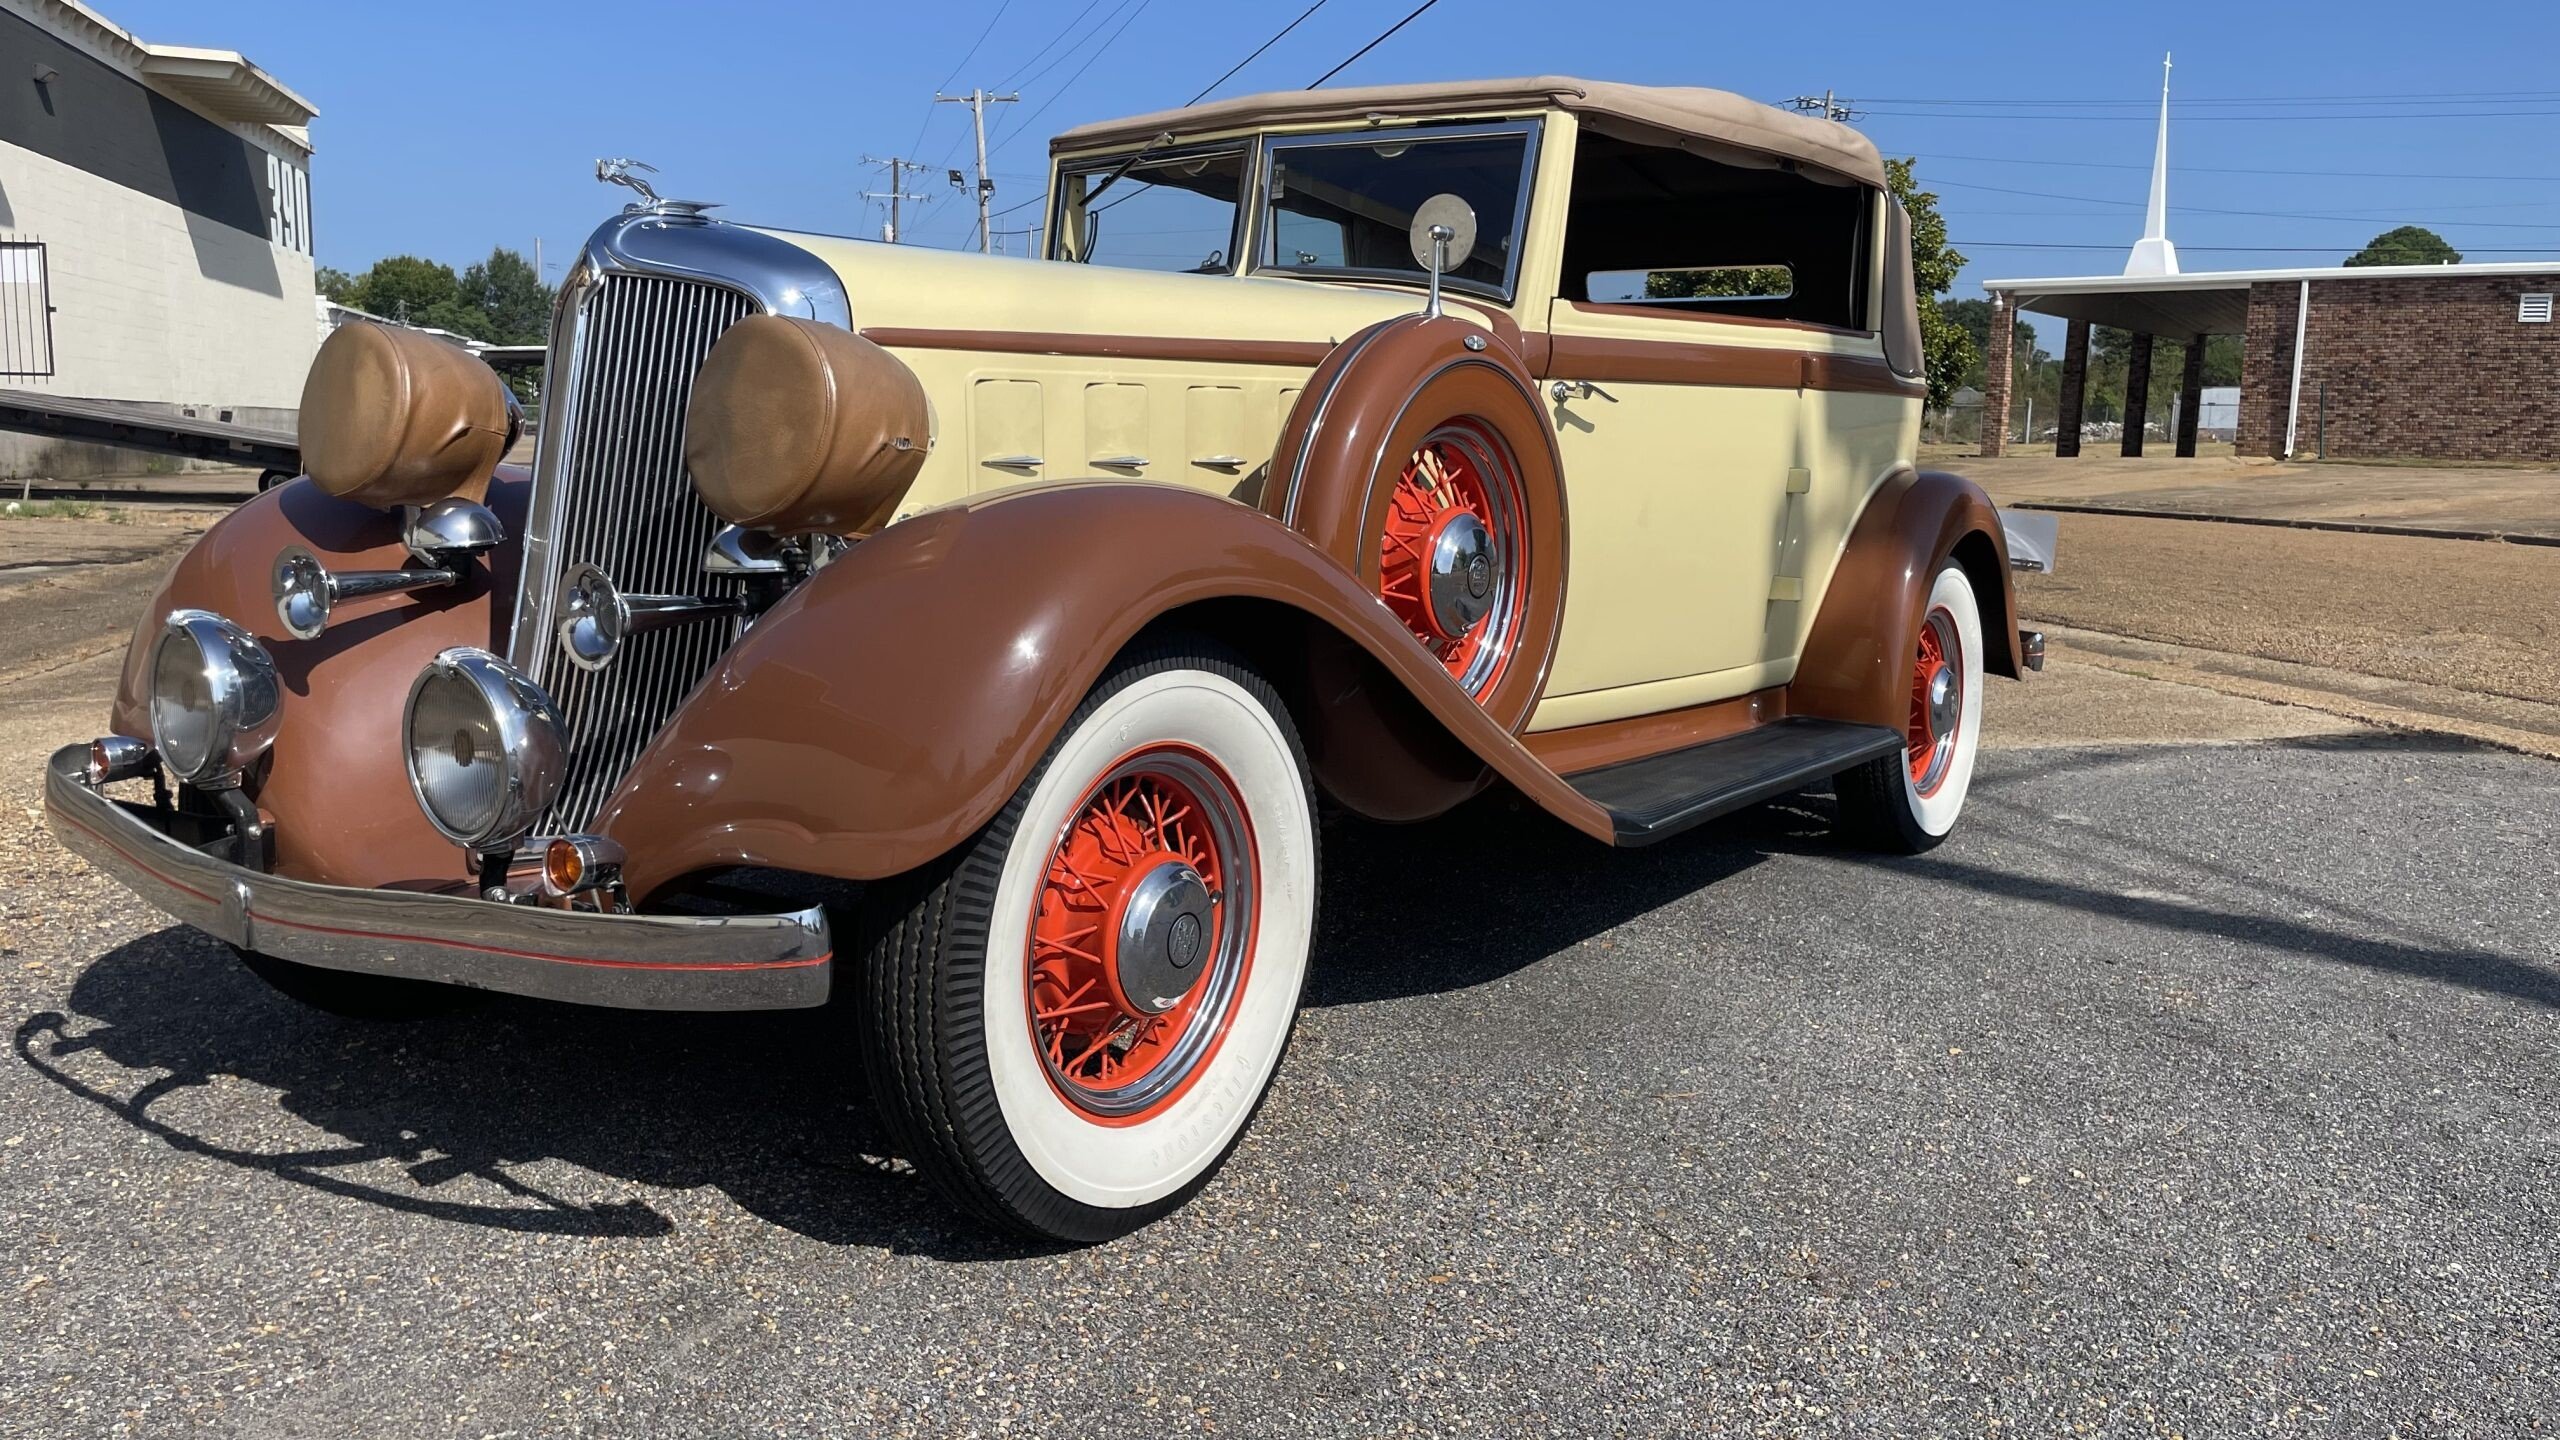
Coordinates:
<point>485,748</point>
<point>214,698</point>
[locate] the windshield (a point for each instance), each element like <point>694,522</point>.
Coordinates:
<point>1175,213</point>
<point>1348,206</point>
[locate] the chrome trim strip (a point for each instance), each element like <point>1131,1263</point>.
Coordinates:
<point>639,962</point>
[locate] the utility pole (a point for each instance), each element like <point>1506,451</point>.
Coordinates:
<point>1824,105</point>
<point>897,171</point>
<point>978,100</point>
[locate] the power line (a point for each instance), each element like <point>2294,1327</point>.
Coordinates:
<point>1257,52</point>
<point>2248,170</point>
<point>2330,215</point>
<point>1051,43</point>
<point>2014,117</point>
<point>2149,106</point>
<point>1374,44</point>
<point>2183,248</point>
<point>1014,130</point>
<point>974,46</point>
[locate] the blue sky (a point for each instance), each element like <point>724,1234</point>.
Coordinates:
<point>446,129</point>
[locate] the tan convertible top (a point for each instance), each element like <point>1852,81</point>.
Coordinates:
<point>1712,122</point>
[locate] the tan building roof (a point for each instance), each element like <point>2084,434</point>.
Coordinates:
<point>1715,123</point>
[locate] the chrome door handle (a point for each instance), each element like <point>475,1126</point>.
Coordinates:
<point>1014,462</point>
<point>1220,462</point>
<point>1564,390</point>
<point>1121,462</point>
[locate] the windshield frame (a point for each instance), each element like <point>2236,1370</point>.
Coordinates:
<point>1064,223</point>
<point>1531,131</point>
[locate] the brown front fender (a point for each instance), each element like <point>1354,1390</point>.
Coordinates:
<point>1857,661</point>
<point>336,781</point>
<point>887,709</point>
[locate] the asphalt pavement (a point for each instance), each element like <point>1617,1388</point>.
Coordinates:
<point>2193,1088</point>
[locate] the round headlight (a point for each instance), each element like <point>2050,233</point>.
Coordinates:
<point>485,748</point>
<point>214,698</point>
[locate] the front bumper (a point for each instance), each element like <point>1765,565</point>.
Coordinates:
<point>643,962</point>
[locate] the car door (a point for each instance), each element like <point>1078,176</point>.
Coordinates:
<point>1681,441</point>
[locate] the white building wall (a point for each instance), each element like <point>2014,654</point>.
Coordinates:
<point>153,304</point>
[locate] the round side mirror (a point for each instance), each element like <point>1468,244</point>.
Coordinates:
<point>1443,212</point>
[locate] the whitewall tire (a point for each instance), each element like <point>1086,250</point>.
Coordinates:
<point>1909,802</point>
<point>1073,1017</point>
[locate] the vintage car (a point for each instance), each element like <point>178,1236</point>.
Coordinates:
<point>977,641</point>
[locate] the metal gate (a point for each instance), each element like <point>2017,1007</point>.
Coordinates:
<point>26,309</point>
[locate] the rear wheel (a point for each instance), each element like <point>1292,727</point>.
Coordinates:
<point>1909,802</point>
<point>1072,1018</point>
<point>355,996</point>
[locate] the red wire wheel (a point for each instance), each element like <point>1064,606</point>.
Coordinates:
<point>1143,935</point>
<point>1937,702</point>
<point>1449,552</point>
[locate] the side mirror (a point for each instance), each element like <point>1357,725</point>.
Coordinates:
<point>1442,237</point>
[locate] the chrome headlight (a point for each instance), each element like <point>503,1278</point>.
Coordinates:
<point>214,698</point>
<point>485,748</point>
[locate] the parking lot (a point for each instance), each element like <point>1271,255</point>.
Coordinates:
<point>2203,1082</point>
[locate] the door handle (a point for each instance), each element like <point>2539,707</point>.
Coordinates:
<point>1564,390</point>
<point>1121,462</point>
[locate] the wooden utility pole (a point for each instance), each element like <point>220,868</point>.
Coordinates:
<point>897,171</point>
<point>978,100</point>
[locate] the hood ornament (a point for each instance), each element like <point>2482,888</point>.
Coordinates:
<point>624,171</point>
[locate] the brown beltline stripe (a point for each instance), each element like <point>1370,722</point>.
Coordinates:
<point>1105,347</point>
<point>1677,362</point>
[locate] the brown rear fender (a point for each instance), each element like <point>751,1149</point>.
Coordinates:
<point>337,782</point>
<point>885,710</point>
<point>1857,661</point>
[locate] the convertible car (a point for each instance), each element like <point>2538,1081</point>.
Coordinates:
<point>973,641</point>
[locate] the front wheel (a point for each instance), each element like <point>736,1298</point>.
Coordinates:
<point>1072,1017</point>
<point>1907,803</point>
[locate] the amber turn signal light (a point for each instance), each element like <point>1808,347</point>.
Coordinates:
<point>575,864</point>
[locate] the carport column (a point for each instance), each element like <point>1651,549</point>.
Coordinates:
<point>2075,389</point>
<point>1995,378</point>
<point>2137,393</point>
<point>2190,396</point>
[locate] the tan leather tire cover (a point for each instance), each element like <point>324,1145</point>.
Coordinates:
<point>796,426</point>
<point>393,417</point>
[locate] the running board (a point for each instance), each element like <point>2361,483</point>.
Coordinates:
<point>1665,794</point>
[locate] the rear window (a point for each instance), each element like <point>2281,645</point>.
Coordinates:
<point>1346,206</point>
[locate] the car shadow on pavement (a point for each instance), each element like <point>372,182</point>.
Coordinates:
<point>506,1114</point>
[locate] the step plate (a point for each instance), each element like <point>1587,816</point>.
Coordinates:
<point>1665,794</point>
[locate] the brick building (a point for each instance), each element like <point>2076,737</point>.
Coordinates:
<point>2430,362</point>
<point>155,228</point>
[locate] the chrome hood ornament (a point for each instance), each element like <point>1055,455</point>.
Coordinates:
<point>624,171</point>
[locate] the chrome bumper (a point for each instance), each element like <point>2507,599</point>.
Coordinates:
<point>642,962</point>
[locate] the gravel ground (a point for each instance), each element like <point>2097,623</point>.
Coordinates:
<point>2466,614</point>
<point>2192,1089</point>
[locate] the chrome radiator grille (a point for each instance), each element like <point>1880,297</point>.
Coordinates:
<point>616,495</point>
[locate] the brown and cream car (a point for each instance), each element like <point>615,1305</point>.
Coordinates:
<point>974,640</point>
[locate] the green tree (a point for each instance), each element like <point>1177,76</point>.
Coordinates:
<point>406,288</point>
<point>334,284</point>
<point>2407,245</point>
<point>514,304</point>
<point>1947,351</point>
<point>1973,317</point>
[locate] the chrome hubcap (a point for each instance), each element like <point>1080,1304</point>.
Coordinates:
<point>1163,938</point>
<point>1942,702</point>
<point>1464,574</point>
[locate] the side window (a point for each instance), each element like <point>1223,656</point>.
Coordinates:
<point>1658,227</point>
<point>1346,206</point>
<point>1174,212</point>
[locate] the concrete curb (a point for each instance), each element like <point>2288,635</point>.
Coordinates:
<point>2353,527</point>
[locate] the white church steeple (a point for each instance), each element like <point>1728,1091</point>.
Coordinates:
<point>2153,254</point>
